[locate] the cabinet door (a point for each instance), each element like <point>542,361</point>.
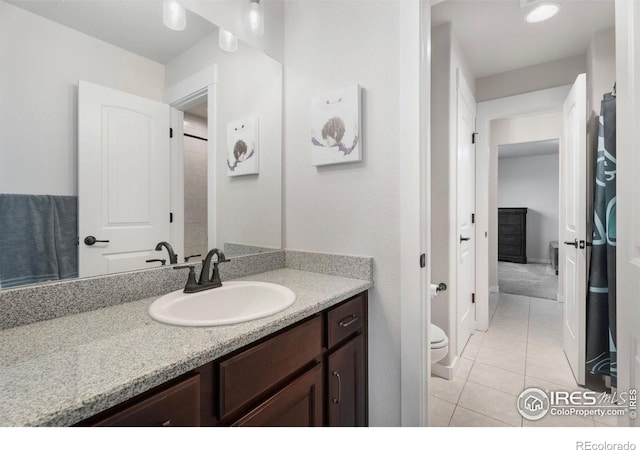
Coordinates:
<point>299,404</point>
<point>347,381</point>
<point>177,406</point>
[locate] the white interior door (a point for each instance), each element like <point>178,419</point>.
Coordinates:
<point>466,122</point>
<point>573,221</point>
<point>627,209</point>
<point>123,179</point>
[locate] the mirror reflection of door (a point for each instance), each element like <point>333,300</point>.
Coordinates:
<point>123,179</point>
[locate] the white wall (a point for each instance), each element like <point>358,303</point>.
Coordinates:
<point>354,208</point>
<point>447,57</point>
<point>40,65</point>
<point>249,83</point>
<point>532,182</point>
<point>529,79</point>
<point>231,14</point>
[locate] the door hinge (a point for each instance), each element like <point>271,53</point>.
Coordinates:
<point>423,260</point>
<point>473,218</point>
<point>170,133</point>
<point>473,298</point>
<point>473,137</point>
<point>170,217</point>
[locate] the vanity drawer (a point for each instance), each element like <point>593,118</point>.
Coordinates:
<point>176,406</point>
<point>345,319</point>
<point>253,372</point>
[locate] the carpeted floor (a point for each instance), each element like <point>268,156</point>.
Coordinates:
<point>531,280</point>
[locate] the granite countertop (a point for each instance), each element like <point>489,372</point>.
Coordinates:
<point>61,371</point>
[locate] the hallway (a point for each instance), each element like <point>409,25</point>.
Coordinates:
<point>523,347</point>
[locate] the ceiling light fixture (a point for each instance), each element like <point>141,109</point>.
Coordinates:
<point>255,17</point>
<point>227,41</point>
<point>174,15</point>
<point>543,12</point>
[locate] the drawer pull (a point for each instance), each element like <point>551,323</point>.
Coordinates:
<point>337,400</point>
<point>344,323</point>
<point>167,423</point>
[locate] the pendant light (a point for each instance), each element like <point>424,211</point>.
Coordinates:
<point>227,40</point>
<point>174,15</point>
<point>255,17</point>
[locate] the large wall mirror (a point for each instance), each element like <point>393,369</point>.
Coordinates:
<point>119,134</point>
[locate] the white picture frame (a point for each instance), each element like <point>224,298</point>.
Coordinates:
<point>336,127</point>
<point>243,137</point>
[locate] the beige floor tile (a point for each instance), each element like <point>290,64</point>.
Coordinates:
<point>554,355</point>
<point>490,402</point>
<point>514,362</point>
<point>499,379</point>
<point>463,417</point>
<point>555,373</point>
<point>519,335</point>
<point>476,338</point>
<point>470,352</point>
<point>448,390</point>
<point>508,313</point>
<point>503,343</point>
<point>440,412</point>
<point>514,299</point>
<point>464,367</point>
<point>552,340</point>
<point>546,385</point>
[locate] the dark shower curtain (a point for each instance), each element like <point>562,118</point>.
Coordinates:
<point>601,301</point>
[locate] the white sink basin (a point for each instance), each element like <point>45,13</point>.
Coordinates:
<point>233,302</point>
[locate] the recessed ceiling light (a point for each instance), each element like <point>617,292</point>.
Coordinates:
<point>543,12</point>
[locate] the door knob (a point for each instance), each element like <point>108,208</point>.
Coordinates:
<point>462,238</point>
<point>90,240</point>
<point>573,243</point>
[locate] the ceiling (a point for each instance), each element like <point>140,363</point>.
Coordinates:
<point>201,110</point>
<point>135,26</point>
<point>495,37</point>
<point>537,148</point>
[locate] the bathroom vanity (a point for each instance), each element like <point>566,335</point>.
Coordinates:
<point>312,373</point>
<point>116,366</point>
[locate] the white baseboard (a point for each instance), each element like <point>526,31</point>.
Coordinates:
<point>446,372</point>
<point>539,261</point>
<point>494,289</point>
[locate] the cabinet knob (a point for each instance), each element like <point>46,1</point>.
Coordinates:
<point>167,423</point>
<point>344,323</point>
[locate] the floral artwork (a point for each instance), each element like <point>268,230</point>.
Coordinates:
<point>242,147</point>
<point>335,127</point>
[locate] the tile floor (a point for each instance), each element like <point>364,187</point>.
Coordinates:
<point>523,348</point>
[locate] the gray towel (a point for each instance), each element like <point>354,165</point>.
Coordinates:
<point>38,235</point>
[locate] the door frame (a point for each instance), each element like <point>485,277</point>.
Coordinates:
<point>181,96</point>
<point>516,105</point>
<point>628,257</point>
<point>415,230</point>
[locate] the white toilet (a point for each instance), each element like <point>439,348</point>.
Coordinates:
<point>439,344</point>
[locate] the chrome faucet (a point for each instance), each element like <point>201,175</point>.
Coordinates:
<point>173,258</point>
<point>205,282</point>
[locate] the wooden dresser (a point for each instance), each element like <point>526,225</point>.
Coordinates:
<point>512,235</point>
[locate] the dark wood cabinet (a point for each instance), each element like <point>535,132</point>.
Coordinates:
<point>512,235</point>
<point>298,404</point>
<point>174,406</point>
<point>312,373</point>
<point>345,374</point>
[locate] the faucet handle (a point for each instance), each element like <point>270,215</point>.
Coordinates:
<point>192,284</point>
<point>187,258</point>
<point>163,261</point>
